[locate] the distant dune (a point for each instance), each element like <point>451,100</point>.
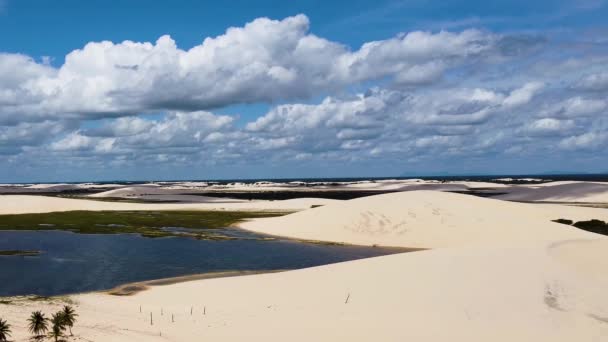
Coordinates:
<point>589,192</point>
<point>155,193</point>
<point>205,192</point>
<point>23,204</point>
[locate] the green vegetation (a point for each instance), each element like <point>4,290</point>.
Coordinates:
<point>38,324</point>
<point>146,223</point>
<point>325,243</point>
<point>5,330</point>
<point>57,326</point>
<point>69,317</point>
<point>564,221</point>
<point>22,300</point>
<point>594,226</point>
<point>61,320</point>
<point>18,252</point>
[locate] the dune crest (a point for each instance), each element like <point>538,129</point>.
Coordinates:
<point>429,219</point>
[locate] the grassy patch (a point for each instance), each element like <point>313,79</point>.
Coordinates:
<point>325,243</point>
<point>18,252</point>
<point>146,223</point>
<point>21,300</point>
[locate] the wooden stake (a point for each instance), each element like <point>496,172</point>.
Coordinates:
<point>190,311</point>
<point>172,320</point>
<point>151,319</point>
<point>140,309</point>
<point>347,297</point>
<point>204,310</point>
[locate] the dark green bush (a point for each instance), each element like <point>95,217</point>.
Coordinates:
<point>595,226</point>
<point>564,221</point>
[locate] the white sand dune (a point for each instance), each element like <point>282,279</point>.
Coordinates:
<point>130,191</point>
<point>482,185</point>
<point>23,204</point>
<point>430,219</point>
<point>561,191</point>
<point>501,272</point>
<point>161,194</point>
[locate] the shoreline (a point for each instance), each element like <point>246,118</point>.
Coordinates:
<point>130,289</point>
<point>328,242</point>
<point>133,288</point>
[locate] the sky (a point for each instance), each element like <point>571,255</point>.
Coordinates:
<point>165,90</point>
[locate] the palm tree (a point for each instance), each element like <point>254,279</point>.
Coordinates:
<point>69,317</point>
<point>5,330</point>
<point>38,324</point>
<point>58,326</point>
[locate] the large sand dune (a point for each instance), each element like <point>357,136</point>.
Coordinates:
<point>504,272</point>
<point>430,219</point>
<point>23,204</point>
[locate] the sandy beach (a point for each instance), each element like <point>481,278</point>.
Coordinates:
<point>494,270</point>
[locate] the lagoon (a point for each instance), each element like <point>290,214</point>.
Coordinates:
<point>73,263</point>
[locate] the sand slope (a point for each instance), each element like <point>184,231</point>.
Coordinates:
<point>150,193</point>
<point>430,219</point>
<point>534,294</point>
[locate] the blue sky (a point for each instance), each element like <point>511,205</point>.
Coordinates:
<point>54,28</point>
<point>300,88</point>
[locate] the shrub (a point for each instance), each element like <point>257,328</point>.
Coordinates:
<point>595,226</point>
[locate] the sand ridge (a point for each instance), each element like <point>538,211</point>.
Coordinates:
<point>530,190</point>
<point>430,219</point>
<point>24,204</point>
